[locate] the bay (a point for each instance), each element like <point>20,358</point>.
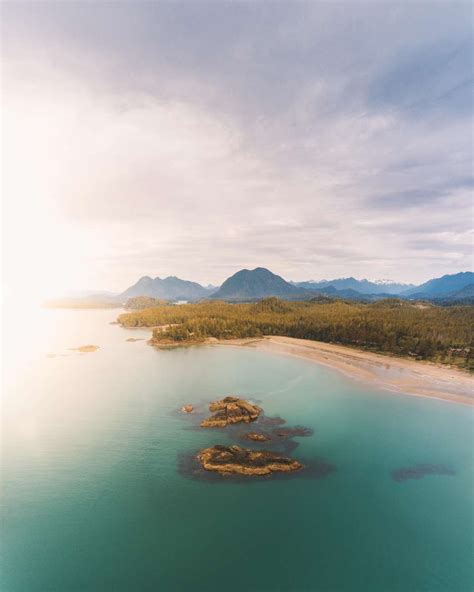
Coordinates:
<point>93,498</point>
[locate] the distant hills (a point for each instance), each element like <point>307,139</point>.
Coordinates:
<point>169,288</point>
<point>258,283</point>
<point>466,292</point>
<point>255,284</point>
<point>463,296</point>
<point>441,287</point>
<point>360,286</point>
<point>449,288</point>
<point>350,294</point>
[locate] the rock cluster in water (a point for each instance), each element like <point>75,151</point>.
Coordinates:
<point>239,462</point>
<point>235,459</point>
<point>231,410</point>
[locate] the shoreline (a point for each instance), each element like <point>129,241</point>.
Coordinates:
<point>408,377</point>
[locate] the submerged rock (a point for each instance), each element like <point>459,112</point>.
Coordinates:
<point>270,422</point>
<point>299,431</point>
<point>235,459</point>
<point>231,410</point>
<point>187,408</point>
<point>420,471</point>
<point>278,435</point>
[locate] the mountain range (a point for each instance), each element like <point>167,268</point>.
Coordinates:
<point>250,285</point>
<point>453,287</point>
<point>361,286</point>
<point>169,288</point>
<point>443,286</point>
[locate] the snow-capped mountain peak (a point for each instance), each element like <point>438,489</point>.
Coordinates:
<point>386,281</point>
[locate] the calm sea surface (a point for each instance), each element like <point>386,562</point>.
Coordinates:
<point>92,498</point>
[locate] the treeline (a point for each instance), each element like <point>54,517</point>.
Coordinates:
<point>402,328</point>
<point>142,302</point>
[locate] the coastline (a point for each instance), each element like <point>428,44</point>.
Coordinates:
<point>409,377</point>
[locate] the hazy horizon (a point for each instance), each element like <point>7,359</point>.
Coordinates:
<point>317,140</point>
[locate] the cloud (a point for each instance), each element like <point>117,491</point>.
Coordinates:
<point>195,139</point>
<point>430,194</point>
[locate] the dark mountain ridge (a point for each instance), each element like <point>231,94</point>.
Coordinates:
<point>169,288</point>
<point>258,283</point>
<point>441,287</point>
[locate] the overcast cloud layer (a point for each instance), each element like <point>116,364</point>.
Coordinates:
<point>192,139</point>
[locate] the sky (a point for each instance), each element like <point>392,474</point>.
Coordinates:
<point>320,140</point>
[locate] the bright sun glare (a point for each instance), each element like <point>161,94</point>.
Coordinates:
<point>43,256</point>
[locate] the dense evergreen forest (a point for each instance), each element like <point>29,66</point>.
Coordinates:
<point>141,302</point>
<point>418,330</point>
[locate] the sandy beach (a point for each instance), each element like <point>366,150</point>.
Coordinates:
<point>410,377</point>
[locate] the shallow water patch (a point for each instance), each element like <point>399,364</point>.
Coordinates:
<point>421,470</point>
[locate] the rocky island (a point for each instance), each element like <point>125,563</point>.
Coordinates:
<point>84,349</point>
<point>235,459</point>
<point>231,410</point>
<point>256,437</point>
<point>219,460</point>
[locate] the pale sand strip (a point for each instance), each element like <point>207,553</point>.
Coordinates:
<point>410,377</point>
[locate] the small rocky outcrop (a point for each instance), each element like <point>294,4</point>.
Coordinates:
<point>231,410</point>
<point>255,437</point>
<point>235,459</point>
<point>84,349</point>
<point>187,408</point>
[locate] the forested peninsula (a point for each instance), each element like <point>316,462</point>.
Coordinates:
<point>411,329</point>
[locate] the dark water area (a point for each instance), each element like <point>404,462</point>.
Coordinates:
<point>420,471</point>
<point>101,490</point>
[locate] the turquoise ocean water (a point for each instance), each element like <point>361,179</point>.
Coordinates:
<point>92,498</point>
